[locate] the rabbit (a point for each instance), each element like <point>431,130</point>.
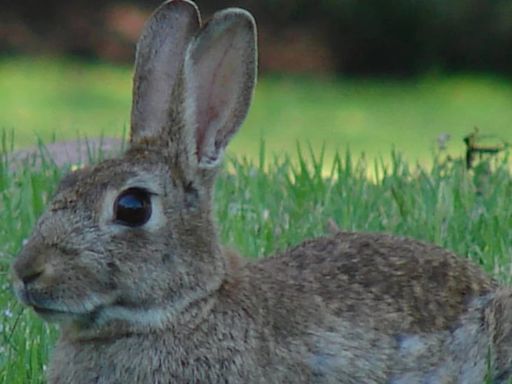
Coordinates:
<point>127,261</point>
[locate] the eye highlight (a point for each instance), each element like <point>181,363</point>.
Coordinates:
<point>132,207</point>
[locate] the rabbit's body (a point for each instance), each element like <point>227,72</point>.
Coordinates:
<point>127,259</point>
<point>346,309</point>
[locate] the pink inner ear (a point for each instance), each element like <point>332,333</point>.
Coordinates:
<point>218,77</point>
<point>211,114</point>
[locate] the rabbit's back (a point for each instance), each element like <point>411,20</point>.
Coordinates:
<point>425,286</point>
<point>377,308</point>
<point>311,316</point>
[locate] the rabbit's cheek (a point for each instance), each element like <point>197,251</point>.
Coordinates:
<point>63,282</point>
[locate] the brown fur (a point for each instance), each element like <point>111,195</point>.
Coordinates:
<point>164,302</point>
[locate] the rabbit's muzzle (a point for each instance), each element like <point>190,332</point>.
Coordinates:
<point>29,270</point>
<point>29,265</point>
<point>40,284</point>
<point>32,278</point>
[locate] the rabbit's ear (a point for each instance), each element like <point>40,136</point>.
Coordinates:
<point>219,77</point>
<point>158,63</point>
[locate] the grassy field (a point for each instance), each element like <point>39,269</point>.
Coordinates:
<point>269,202</point>
<point>262,211</point>
<point>52,98</point>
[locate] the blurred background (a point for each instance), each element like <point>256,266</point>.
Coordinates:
<point>366,75</point>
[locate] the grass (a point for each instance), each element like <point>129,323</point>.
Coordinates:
<point>266,205</point>
<point>267,201</point>
<point>57,98</point>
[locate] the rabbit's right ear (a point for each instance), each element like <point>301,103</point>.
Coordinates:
<point>219,79</point>
<point>158,63</point>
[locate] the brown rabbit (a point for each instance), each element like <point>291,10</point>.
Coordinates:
<point>127,259</point>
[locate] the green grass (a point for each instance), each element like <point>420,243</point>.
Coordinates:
<point>269,201</point>
<point>264,206</point>
<point>61,98</point>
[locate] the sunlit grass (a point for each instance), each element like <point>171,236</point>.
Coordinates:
<point>56,98</point>
<point>274,198</point>
<point>267,205</point>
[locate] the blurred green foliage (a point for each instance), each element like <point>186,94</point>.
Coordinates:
<point>399,36</point>
<point>407,36</point>
<point>365,36</point>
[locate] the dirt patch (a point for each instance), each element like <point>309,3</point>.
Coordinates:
<point>72,152</point>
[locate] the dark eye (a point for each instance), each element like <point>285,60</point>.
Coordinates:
<point>132,207</point>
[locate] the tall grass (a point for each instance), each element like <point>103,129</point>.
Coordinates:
<point>266,205</point>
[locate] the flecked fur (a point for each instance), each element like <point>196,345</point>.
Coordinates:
<point>166,303</point>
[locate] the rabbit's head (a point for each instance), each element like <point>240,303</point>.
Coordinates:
<point>132,239</point>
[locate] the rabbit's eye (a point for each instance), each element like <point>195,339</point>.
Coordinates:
<point>132,207</point>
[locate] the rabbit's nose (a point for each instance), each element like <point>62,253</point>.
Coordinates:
<point>31,276</point>
<point>29,265</point>
<point>27,270</point>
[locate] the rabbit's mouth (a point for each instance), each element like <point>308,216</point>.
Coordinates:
<point>48,312</point>
<point>52,311</point>
<point>53,315</point>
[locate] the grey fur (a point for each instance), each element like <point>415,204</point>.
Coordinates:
<point>165,303</point>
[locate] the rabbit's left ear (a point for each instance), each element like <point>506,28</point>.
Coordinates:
<point>219,78</point>
<point>160,55</point>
